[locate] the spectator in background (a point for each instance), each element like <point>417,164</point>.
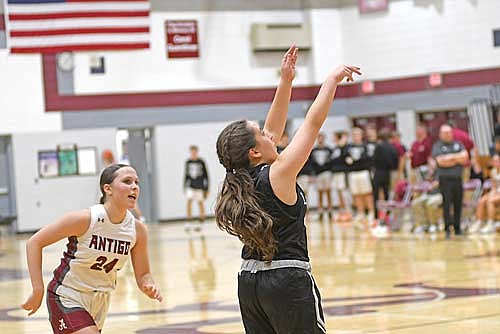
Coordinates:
<point>420,154</point>
<point>108,158</point>
<point>495,148</point>
<point>195,186</point>
<point>485,212</point>
<point>425,207</point>
<point>283,143</point>
<point>385,159</point>
<point>339,169</point>
<point>358,166</point>
<point>371,141</point>
<point>450,156</point>
<point>463,137</point>
<point>305,179</point>
<point>399,173</point>
<point>321,160</point>
<point>487,204</point>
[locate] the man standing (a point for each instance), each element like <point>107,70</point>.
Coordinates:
<point>450,157</point>
<point>385,159</point>
<point>195,185</point>
<point>420,153</point>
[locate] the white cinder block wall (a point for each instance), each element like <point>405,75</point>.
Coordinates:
<point>41,201</point>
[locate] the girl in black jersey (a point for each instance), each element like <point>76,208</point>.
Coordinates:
<point>261,204</point>
<point>322,163</point>
<point>360,183</point>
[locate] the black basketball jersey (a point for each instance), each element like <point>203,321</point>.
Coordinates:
<point>370,151</point>
<point>359,157</point>
<point>338,164</point>
<point>320,157</point>
<point>195,174</point>
<point>289,229</point>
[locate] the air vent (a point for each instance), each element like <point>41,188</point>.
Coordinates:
<point>279,36</point>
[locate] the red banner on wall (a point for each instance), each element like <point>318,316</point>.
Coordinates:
<point>182,38</point>
<point>369,6</point>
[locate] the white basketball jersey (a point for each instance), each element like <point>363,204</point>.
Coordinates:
<point>91,261</point>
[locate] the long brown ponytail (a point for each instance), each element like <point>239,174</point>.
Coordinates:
<point>237,210</point>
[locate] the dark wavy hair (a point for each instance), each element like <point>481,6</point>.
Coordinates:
<point>237,210</point>
<point>107,177</point>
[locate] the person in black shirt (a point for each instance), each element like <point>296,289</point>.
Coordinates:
<point>321,160</point>
<point>358,165</point>
<point>195,186</point>
<point>261,203</point>
<point>400,173</point>
<point>385,159</point>
<point>371,143</point>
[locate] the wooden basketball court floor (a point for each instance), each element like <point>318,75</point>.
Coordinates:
<point>404,284</point>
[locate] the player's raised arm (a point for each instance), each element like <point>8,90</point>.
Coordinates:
<point>278,113</point>
<point>284,171</point>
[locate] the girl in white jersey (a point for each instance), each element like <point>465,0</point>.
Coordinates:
<point>100,240</point>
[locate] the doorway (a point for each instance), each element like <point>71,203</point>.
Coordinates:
<point>135,147</point>
<point>7,191</point>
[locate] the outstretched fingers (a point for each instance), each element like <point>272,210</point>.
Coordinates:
<point>290,56</point>
<point>349,70</point>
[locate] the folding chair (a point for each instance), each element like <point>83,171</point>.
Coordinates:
<point>396,209</point>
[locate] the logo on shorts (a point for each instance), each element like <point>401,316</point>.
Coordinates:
<point>62,325</point>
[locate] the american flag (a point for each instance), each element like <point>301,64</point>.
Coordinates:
<point>49,26</point>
